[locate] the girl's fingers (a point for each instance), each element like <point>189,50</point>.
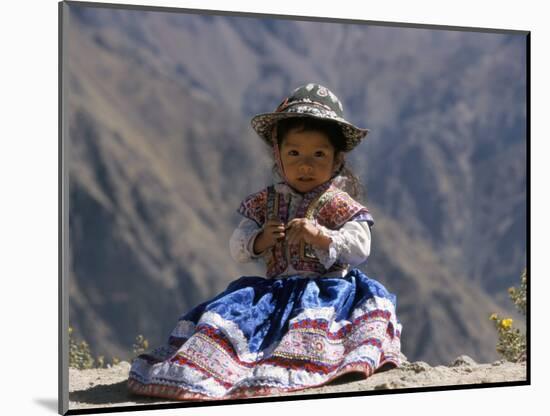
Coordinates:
<point>293,237</point>
<point>296,223</point>
<point>289,237</point>
<point>277,226</point>
<point>291,223</point>
<point>292,231</point>
<point>277,230</point>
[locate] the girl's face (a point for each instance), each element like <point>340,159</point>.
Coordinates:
<point>308,159</point>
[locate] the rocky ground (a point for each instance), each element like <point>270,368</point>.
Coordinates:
<point>107,387</point>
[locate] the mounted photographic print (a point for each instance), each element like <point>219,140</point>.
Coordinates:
<point>259,207</point>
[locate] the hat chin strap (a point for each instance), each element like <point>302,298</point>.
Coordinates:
<point>277,154</point>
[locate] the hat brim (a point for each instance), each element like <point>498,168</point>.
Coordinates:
<point>263,125</point>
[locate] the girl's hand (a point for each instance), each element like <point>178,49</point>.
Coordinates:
<point>273,231</point>
<point>303,229</point>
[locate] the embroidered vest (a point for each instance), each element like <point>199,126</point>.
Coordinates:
<point>328,205</point>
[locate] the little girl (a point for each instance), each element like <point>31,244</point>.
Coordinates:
<point>314,317</point>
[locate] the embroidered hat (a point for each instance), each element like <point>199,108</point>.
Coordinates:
<point>311,100</point>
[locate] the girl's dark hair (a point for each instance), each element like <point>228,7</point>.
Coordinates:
<point>333,130</point>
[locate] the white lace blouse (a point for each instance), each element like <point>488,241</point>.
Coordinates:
<point>350,244</point>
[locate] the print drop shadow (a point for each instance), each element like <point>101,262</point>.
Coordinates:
<point>109,394</point>
<point>50,404</point>
<point>118,392</point>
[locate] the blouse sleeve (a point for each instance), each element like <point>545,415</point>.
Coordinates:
<point>242,240</point>
<point>350,244</point>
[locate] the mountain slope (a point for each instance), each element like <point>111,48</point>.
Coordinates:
<point>161,153</point>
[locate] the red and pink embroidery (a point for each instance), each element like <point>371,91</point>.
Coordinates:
<point>327,205</point>
<point>311,350</point>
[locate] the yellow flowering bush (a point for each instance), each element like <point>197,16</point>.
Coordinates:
<point>506,323</point>
<point>512,344</point>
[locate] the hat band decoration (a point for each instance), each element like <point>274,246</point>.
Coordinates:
<point>286,104</point>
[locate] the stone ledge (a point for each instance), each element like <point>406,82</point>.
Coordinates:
<point>107,387</point>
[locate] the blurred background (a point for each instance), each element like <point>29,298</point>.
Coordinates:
<point>161,153</point>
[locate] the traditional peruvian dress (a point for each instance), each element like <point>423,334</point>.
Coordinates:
<point>313,318</point>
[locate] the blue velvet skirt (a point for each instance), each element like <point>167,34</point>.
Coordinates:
<point>262,336</point>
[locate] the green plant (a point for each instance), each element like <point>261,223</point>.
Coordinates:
<point>81,357</point>
<point>519,296</point>
<point>512,344</point>
<point>140,345</point>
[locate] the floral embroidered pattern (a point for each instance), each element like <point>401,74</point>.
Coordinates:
<point>254,207</point>
<point>211,364</point>
<point>338,210</point>
<point>277,207</point>
<point>322,92</point>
